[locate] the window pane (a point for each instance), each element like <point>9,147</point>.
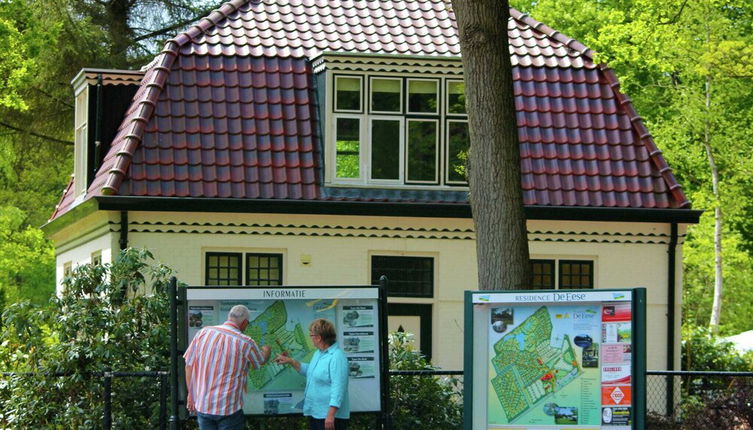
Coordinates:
<point>348,94</point>
<point>385,95</point>
<point>263,269</point>
<point>543,274</point>
<point>576,274</point>
<point>456,97</point>
<point>408,276</point>
<point>422,96</point>
<point>385,149</point>
<point>458,142</point>
<point>223,269</point>
<point>422,151</point>
<point>348,148</point>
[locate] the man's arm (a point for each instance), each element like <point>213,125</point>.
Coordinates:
<point>265,351</point>
<point>189,398</point>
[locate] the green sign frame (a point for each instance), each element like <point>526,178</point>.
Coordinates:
<point>475,302</point>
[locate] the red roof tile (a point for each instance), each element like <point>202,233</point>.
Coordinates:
<point>224,110</point>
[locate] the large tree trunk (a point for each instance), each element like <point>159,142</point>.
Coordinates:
<point>494,160</point>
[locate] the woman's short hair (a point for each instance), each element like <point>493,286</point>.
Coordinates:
<point>325,329</point>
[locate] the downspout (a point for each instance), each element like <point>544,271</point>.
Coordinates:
<point>671,276</point>
<point>98,128</point>
<point>123,230</point>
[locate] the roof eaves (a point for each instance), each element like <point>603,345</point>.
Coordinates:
<point>67,189</point>
<point>646,139</point>
<point>155,85</point>
<point>623,100</point>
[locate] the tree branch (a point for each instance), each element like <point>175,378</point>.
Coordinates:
<point>31,133</point>
<point>677,15</point>
<point>177,25</point>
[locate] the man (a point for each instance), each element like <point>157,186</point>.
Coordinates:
<point>217,364</point>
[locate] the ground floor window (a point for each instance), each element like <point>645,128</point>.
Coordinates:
<point>407,276</point>
<point>231,268</point>
<point>562,274</point>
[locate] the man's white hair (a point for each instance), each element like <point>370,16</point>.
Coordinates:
<point>238,313</point>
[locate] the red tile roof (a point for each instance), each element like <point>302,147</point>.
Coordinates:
<point>225,110</point>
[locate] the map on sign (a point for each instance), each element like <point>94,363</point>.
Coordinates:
<point>537,366</point>
<point>283,325</point>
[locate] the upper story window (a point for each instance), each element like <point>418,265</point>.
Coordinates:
<point>393,130</point>
<point>227,268</point>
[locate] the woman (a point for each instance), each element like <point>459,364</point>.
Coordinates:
<point>325,399</point>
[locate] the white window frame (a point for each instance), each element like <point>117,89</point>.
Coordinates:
<point>437,122</point>
<point>362,173</point>
<point>401,149</point>
<point>360,101</point>
<point>81,138</point>
<point>370,89</point>
<point>438,86</point>
<point>446,99</point>
<point>446,151</point>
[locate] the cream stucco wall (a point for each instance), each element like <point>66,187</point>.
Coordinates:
<point>339,250</point>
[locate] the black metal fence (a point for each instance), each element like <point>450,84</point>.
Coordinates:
<point>683,400</point>
<point>691,400</point>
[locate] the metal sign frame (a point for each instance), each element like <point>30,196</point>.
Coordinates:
<point>550,297</point>
<point>179,339</point>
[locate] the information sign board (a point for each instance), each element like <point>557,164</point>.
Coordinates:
<point>563,359</point>
<point>280,317</point>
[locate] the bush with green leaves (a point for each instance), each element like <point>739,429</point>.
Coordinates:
<point>421,402</point>
<point>103,320</point>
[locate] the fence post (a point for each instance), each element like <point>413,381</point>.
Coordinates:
<point>107,418</point>
<point>163,400</point>
<point>173,353</point>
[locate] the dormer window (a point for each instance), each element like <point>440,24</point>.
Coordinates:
<point>397,131</point>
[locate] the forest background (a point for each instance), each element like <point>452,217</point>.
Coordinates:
<point>686,64</point>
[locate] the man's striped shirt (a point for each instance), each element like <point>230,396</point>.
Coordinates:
<point>219,357</point>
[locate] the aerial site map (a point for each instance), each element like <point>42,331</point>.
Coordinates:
<point>283,325</point>
<point>538,375</point>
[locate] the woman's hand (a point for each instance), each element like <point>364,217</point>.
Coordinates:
<point>283,358</point>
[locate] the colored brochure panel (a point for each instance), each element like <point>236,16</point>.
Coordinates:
<point>616,353</point>
<point>358,316</point>
<point>200,316</point>
<point>361,367</point>
<point>358,342</point>
<point>544,366</point>
<point>616,417</point>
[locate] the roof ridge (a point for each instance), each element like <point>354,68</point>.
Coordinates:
<point>145,105</point>
<point>552,33</point>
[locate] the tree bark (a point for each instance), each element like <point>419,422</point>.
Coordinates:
<point>494,159</point>
<point>716,307</point>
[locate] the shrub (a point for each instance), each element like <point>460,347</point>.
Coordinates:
<point>102,321</point>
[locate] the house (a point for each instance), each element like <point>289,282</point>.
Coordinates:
<point>308,142</point>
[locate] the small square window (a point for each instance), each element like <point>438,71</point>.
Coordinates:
<point>67,270</point>
<point>407,276</point>
<point>543,274</point>
<point>263,269</point>
<point>97,258</point>
<point>348,94</point>
<point>576,274</point>
<point>386,95</point>
<point>223,269</point>
<point>423,96</point>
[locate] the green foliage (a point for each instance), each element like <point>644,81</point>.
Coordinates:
<point>701,350</point>
<point>670,55</point>
<point>420,401</point>
<point>103,320</point>
<point>27,260</point>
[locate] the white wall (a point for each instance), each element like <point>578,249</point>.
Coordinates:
<point>339,250</point>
